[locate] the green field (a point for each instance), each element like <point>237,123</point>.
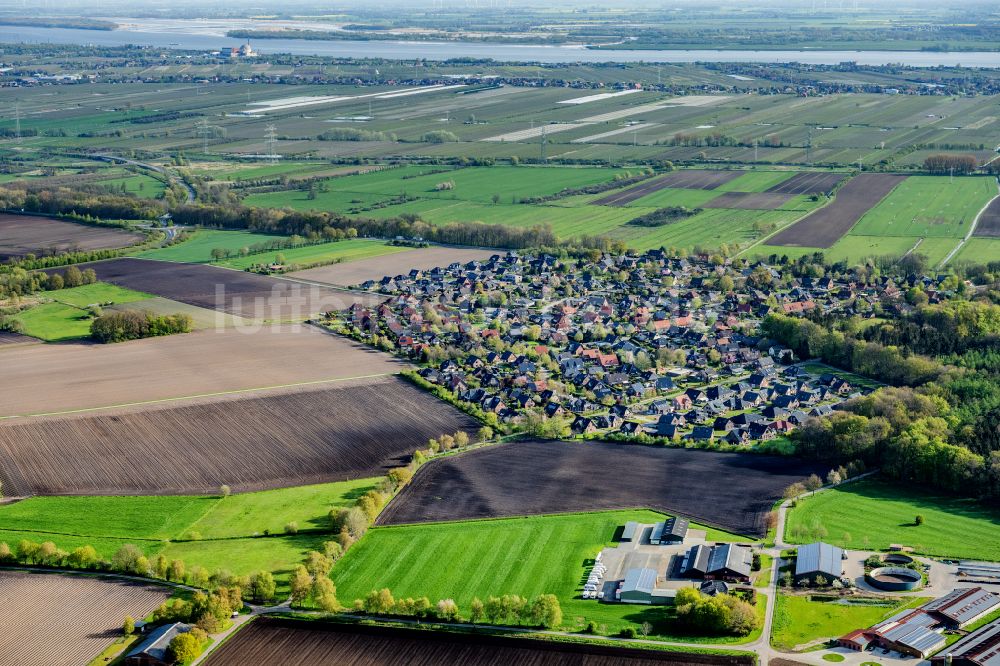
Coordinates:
<point>65,316</point>
<point>525,556</point>
<point>799,620</point>
<point>198,248</point>
<point>953,527</point>
<point>208,531</point>
<point>979,251</point>
<point>140,185</point>
<point>347,250</point>
<point>928,206</point>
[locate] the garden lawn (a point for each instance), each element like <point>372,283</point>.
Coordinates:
<point>346,250</point>
<point>198,248</point>
<point>525,556</point>
<point>799,621</point>
<point>871,514</point>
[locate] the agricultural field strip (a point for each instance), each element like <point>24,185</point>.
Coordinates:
<point>825,226</point>
<point>989,221</point>
<point>614,132</point>
<point>531,478</point>
<point>286,103</point>
<point>273,642</point>
<point>65,378</point>
<point>344,432</point>
<point>590,120</point>
<point>599,97</point>
<point>67,620</point>
<point>24,234</point>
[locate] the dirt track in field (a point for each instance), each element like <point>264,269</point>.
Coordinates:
<point>235,292</point>
<point>57,620</point>
<point>355,272</point>
<point>275,642</point>
<point>810,182</point>
<point>749,200</point>
<point>824,227</point>
<point>691,179</point>
<point>63,377</point>
<point>31,234</point>
<point>989,221</point>
<point>731,490</point>
<point>249,443</point>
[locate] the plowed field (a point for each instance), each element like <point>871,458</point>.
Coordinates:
<point>730,490</point>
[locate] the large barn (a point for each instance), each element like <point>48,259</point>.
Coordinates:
<point>819,559</point>
<point>726,561</point>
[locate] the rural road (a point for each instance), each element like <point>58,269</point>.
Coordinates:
<point>972,230</point>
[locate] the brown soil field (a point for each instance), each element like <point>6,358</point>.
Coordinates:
<point>808,183</point>
<point>65,377</point>
<point>274,642</point>
<point>8,338</point>
<point>30,234</point>
<point>733,491</point>
<point>57,620</point>
<point>355,272</point>
<point>692,179</point>
<point>235,292</point>
<point>248,442</point>
<point>824,227</point>
<point>749,200</point>
<point>989,221</point>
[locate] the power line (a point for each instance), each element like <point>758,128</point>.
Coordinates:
<point>271,138</point>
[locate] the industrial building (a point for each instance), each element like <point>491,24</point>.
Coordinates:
<point>727,561</point>
<point>819,559</point>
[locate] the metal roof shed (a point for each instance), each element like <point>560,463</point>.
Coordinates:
<point>637,588</point>
<point>630,531</point>
<point>819,559</point>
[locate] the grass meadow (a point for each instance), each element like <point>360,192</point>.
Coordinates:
<point>871,514</point>
<point>799,620</point>
<point>525,556</point>
<point>241,533</point>
<point>64,316</point>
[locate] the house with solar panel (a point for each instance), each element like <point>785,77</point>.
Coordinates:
<point>819,559</point>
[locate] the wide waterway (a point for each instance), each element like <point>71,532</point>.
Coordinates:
<point>183,39</point>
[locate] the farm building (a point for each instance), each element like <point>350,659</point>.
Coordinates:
<point>639,587</point>
<point>919,632</point>
<point>673,530</point>
<point>631,532</point>
<point>980,648</point>
<point>153,650</point>
<point>819,559</point>
<point>727,561</point>
<point>961,607</point>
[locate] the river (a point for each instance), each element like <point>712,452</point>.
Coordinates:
<point>402,50</point>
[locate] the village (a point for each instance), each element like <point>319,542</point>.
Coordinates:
<point>655,348</point>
